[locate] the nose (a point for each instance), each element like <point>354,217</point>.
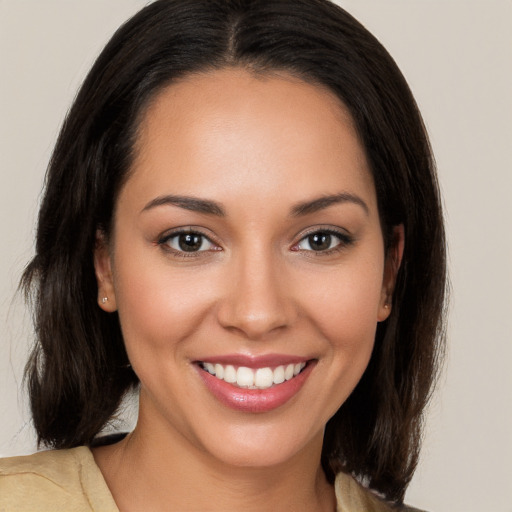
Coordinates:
<point>257,299</point>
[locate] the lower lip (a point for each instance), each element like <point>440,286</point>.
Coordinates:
<point>255,400</point>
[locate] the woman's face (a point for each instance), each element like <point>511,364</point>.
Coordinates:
<point>247,265</point>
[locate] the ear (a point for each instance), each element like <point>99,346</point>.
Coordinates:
<point>391,266</point>
<point>104,276</point>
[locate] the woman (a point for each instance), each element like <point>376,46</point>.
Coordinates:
<point>241,220</point>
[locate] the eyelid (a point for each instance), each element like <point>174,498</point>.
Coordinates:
<point>163,239</point>
<point>345,239</point>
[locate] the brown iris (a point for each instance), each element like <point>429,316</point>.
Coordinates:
<point>190,242</point>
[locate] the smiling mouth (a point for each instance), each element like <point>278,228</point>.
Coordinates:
<point>249,378</point>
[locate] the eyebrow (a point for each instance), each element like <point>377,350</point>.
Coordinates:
<point>188,203</point>
<point>213,208</point>
<point>323,202</point>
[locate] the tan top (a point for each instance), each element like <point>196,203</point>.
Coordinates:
<point>70,480</point>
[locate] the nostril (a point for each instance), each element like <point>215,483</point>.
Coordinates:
<point>252,323</point>
<point>255,300</point>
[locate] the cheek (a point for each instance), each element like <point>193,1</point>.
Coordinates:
<point>345,303</point>
<point>158,305</point>
<point>343,306</point>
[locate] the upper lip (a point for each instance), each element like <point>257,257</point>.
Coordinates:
<point>250,361</point>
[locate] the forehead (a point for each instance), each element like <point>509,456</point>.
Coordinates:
<point>232,128</point>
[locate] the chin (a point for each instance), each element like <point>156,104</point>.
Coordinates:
<point>260,447</point>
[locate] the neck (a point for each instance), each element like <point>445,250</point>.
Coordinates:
<point>155,468</point>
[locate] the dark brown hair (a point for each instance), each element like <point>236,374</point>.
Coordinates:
<point>78,371</point>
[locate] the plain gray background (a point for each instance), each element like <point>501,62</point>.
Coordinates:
<point>457,58</point>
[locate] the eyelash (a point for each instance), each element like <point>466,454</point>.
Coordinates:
<point>165,239</point>
<point>344,240</point>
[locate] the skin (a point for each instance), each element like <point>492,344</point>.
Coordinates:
<point>258,146</point>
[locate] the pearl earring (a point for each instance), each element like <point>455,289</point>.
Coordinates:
<point>104,300</point>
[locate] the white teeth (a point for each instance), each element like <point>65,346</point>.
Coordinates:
<point>219,371</point>
<point>279,375</point>
<point>261,378</point>
<point>288,371</point>
<point>230,374</point>
<point>244,377</point>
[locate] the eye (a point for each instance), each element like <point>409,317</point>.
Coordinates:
<point>188,242</point>
<point>323,241</point>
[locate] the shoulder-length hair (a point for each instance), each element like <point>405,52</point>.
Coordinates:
<point>78,371</point>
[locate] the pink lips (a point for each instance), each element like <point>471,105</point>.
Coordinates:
<point>255,400</point>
